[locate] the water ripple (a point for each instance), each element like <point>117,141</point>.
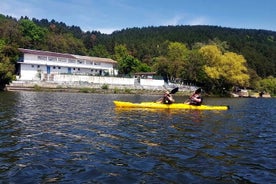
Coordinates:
<point>82,138</point>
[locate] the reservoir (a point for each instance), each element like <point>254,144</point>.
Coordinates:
<point>53,137</point>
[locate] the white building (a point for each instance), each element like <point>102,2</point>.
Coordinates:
<point>43,65</point>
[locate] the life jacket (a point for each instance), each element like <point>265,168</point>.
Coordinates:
<point>194,102</point>
<point>166,100</point>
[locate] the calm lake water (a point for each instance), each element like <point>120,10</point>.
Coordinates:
<point>82,138</point>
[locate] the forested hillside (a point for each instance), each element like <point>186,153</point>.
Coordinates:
<point>174,52</point>
<point>257,46</point>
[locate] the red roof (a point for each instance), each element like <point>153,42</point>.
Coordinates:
<point>64,55</point>
<point>46,53</point>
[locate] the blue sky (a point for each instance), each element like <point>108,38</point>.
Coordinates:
<point>109,15</point>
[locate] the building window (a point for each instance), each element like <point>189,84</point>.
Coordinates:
<point>54,67</point>
<point>44,58</point>
<point>59,67</point>
<point>38,66</point>
<point>78,69</point>
<point>62,59</point>
<point>52,58</point>
<point>80,61</point>
<point>71,61</point>
<point>32,66</point>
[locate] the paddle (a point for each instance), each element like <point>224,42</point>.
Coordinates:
<point>173,91</point>
<point>196,92</point>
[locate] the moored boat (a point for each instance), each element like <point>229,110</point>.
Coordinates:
<point>122,104</point>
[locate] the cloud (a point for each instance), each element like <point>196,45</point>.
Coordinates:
<point>107,30</point>
<point>102,30</point>
<point>180,20</point>
<point>198,21</point>
<point>173,21</point>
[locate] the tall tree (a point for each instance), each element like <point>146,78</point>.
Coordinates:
<point>177,55</point>
<point>120,52</point>
<point>268,85</point>
<point>6,67</point>
<point>128,65</point>
<point>99,51</point>
<point>193,68</point>
<point>32,33</point>
<point>161,66</point>
<point>226,69</point>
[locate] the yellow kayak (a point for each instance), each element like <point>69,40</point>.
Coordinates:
<point>154,105</point>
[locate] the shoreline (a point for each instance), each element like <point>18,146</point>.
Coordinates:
<point>84,87</point>
<point>95,88</point>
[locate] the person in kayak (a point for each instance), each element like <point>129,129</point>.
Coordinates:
<point>196,99</point>
<point>166,99</point>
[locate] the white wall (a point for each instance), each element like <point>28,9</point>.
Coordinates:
<point>31,72</point>
<point>94,79</point>
<point>61,66</point>
<point>151,82</point>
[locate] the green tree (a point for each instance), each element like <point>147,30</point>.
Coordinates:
<point>120,52</point>
<point>32,33</point>
<point>143,67</point>
<point>64,43</point>
<point>6,68</point>
<point>268,85</point>
<point>177,51</point>
<point>193,68</point>
<point>128,65</point>
<point>177,55</point>
<point>234,69</point>
<point>161,66</point>
<point>99,51</point>
<point>225,70</point>
<point>10,31</point>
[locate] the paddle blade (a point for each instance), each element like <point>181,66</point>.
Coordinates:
<point>174,90</point>
<point>198,91</point>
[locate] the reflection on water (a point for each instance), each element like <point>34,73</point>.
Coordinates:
<point>82,138</point>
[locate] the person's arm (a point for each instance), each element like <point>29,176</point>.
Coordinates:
<point>170,98</point>
<point>196,99</point>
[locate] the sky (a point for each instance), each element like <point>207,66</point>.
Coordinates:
<point>107,16</point>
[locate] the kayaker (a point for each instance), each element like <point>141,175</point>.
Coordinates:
<point>196,99</point>
<point>166,99</point>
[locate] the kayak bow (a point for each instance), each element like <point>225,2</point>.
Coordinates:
<point>154,105</point>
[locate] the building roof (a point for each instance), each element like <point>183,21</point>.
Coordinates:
<point>97,59</point>
<point>66,55</point>
<point>46,53</point>
<point>145,73</point>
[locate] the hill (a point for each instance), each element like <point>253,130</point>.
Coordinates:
<point>257,46</point>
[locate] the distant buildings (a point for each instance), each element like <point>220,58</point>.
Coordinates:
<point>43,65</point>
<point>62,70</point>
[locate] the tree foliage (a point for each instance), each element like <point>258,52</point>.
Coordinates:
<point>32,34</point>
<point>99,51</point>
<point>206,55</point>
<point>127,64</point>
<point>6,67</point>
<point>268,85</point>
<point>225,69</point>
<point>193,68</point>
<point>161,66</point>
<point>177,53</point>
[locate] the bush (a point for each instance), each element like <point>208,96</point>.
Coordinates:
<point>105,86</point>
